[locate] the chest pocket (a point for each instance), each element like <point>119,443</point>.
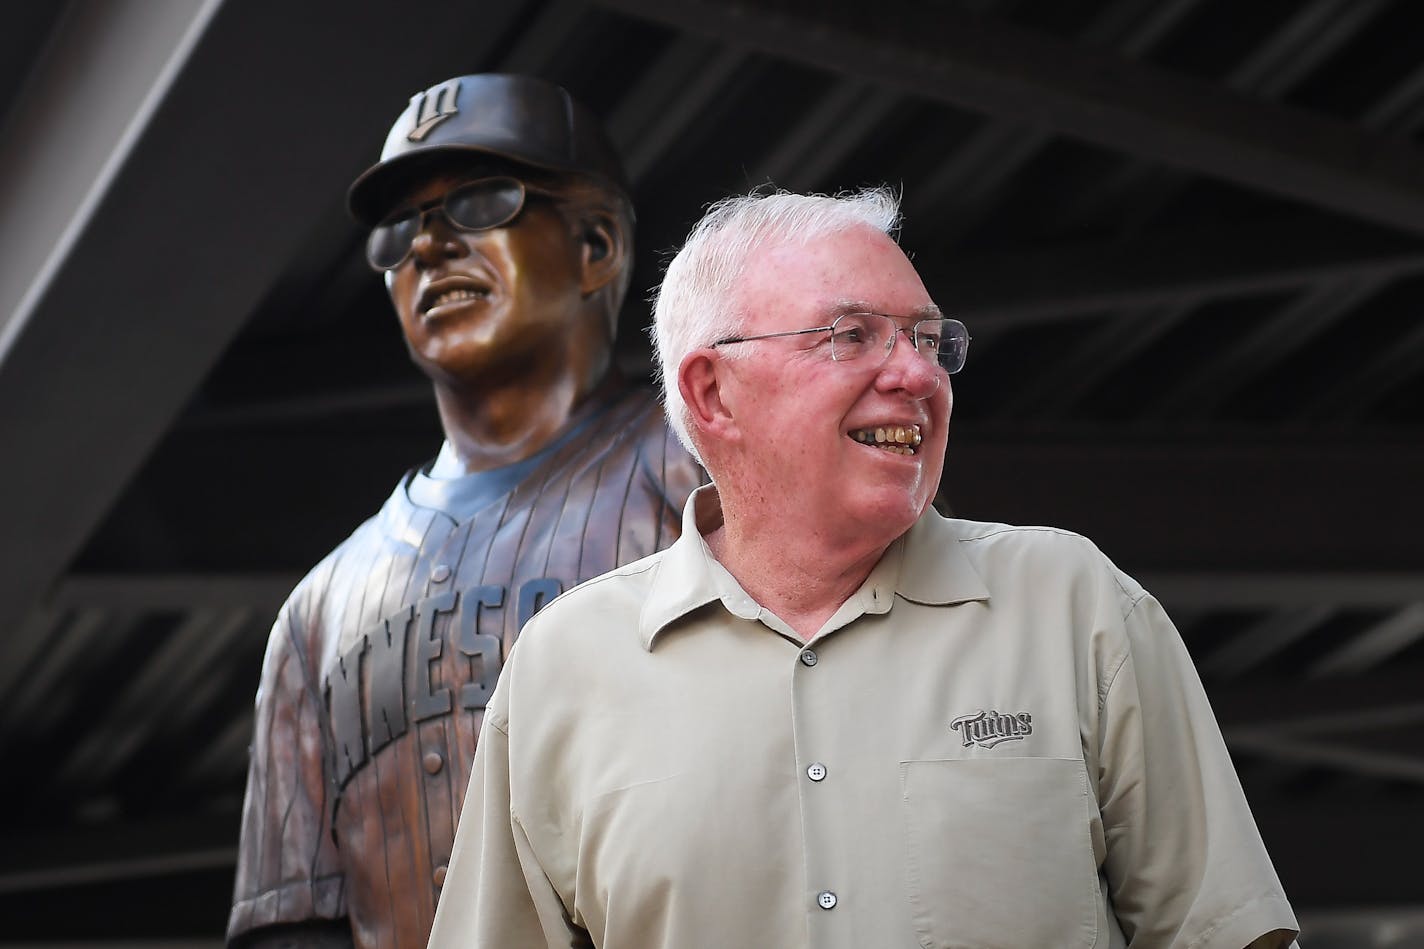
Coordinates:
<point>999,853</point>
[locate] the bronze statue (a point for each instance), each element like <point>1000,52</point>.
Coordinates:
<point>502,222</point>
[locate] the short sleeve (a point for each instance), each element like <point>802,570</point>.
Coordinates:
<point>287,868</point>
<point>1185,863</point>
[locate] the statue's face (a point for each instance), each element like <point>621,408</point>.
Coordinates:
<point>498,301</point>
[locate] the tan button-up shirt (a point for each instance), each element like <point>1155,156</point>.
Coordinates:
<point>998,741</point>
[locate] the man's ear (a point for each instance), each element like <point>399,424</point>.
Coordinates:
<point>700,377</point>
<point>604,254</point>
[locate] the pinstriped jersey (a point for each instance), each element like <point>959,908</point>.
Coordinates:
<point>380,664</point>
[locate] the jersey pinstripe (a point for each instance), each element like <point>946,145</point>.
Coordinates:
<point>380,663</point>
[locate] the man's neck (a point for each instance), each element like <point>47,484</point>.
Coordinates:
<point>490,426</point>
<point>804,579</point>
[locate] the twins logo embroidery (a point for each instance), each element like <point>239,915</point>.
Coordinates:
<point>987,729</point>
<point>432,107</point>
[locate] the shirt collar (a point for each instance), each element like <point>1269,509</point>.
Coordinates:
<point>688,575</point>
<point>925,565</point>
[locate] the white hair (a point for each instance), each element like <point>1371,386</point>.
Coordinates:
<point>696,305</point>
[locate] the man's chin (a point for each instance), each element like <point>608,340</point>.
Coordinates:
<point>889,517</point>
<point>468,362</point>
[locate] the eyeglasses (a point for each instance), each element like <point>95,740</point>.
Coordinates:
<point>478,205</point>
<point>868,338</point>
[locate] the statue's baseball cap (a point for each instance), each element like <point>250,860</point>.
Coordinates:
<point>519,119</point>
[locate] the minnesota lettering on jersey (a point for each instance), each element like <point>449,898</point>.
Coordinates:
<point>393,660</point>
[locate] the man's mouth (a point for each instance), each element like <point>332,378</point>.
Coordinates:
<point>899,439</point>
<point>452,293</point>
<point>456,296</point>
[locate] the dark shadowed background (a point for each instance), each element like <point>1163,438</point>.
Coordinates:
<point>1187,236</point>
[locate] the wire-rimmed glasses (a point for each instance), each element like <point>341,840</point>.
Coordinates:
<point>861,337</point>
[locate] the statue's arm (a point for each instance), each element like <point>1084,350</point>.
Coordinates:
<point>288,873</point>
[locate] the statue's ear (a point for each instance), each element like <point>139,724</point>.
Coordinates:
<point>604,253</point>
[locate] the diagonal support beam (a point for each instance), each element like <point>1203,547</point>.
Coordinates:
<point>89,382</point>
<point>1173,269</point>
<point>681,82</point>
<point>1376,645</point>
<point>1375,764</point>
<point>46,857</point>
<point>974,63</point>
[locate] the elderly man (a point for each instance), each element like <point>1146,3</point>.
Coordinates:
<point>502,225</point>
<point>827,716</point>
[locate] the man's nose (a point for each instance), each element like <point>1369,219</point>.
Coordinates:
<point>906,368</point>
<point>436,241</point>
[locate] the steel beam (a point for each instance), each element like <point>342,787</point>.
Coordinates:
<point>937,52</point>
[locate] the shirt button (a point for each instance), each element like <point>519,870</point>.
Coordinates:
<point>809,657</point>
<point>439,877</point>
<point>816,772</point>
<point>432,762</point>
<point>440,574</point>
<point>826,899</point>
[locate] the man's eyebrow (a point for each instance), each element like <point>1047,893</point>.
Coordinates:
<point>929,311</point>
<point>841,307</point>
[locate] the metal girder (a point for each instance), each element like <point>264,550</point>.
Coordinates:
<point>1291,328</point>
<point>683,80</point>
<point>1286,625</point>
<point>981,168</point>
<point>44,858</point>
<point>313,407</point>
<point>106,69</point>
<point>1344,724</point>
<point>1359,386</point>
<point>1008,290</point>
<point>1287,706</point>
<point>1252,503</point>
<point>939,53</point>
<point>1386,766</point>
<point>1374,646</point>
<point>1313,593</point>
<point>1308,37</point>
<point>45,660</point>
<point>121,944</point>
<point>539,43</point>
<point>1057,391</point>
<point>1310,841</point>
<point>1222,500</point>
<point>158,266</point>
<point>1398,926</point>
<point>165,687</point>
<point>831,129</point>
<point>125,592</point>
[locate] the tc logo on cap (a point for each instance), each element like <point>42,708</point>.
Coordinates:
<point>433,106</point>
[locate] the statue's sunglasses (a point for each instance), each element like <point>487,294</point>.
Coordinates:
<point>477,205</point>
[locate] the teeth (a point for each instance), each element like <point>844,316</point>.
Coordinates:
<point>900,439</point>
<point>456,296</point>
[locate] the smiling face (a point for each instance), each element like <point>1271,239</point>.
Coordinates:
<point>476,306</point>
<point>841,449</point>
